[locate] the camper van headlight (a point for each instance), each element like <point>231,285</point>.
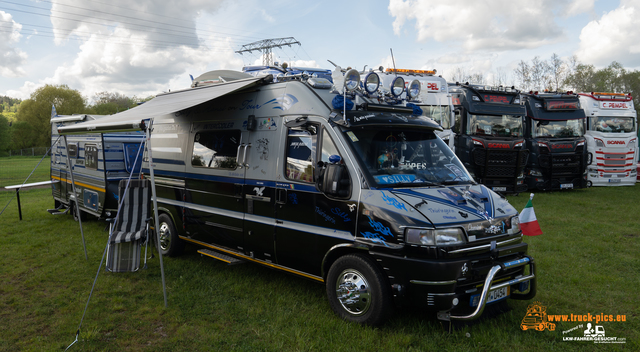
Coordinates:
<point>351,79</point>
<point>397,86</point>
<point>515,225</point>
<point>435,237</point>
<point>371,82</point>
<point>414,89</point>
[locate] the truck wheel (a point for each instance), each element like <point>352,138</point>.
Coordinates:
<point>170,244</point>
<point>357,290</point>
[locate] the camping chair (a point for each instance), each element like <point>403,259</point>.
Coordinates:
<point>131,227</point>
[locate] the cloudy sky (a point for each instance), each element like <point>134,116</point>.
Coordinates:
<point>145,47</point>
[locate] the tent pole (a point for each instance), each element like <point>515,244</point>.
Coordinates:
<point>75,195</point>
<point>155,209</point>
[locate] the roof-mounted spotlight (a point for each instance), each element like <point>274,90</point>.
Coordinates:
<point>351,79</point>
<point>397,86</point>
<point>371,82</point>
<point>414,89</point>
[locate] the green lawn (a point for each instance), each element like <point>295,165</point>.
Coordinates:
<point>14,170</point>
<point>588,261</point>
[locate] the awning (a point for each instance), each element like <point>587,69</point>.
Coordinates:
<point>133,119</point>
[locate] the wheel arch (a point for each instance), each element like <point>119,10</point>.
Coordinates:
<point>340,250</point>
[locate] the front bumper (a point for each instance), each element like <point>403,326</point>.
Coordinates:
<point>488,287</point>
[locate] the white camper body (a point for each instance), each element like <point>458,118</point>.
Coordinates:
<point>435,99</point>
<point>99,162</point>
<point>612,138</point>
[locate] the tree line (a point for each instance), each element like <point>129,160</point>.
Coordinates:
<point>559,75</point>
<point>30,125</point>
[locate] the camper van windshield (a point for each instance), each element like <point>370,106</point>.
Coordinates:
<point>611,124</point>
<point>557,129</point>
<point>406,157</point>
<point>495,125</point>
<point>440,114</point>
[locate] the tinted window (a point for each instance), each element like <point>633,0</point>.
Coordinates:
<point>91,156</point>
<point>216,149</point>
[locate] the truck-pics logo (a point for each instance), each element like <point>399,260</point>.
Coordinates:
<point>536,318</point>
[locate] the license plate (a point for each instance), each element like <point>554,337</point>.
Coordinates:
<point>494,296</point>
<point>614,180</point>
<point>500,189</point>
<point>566,185</point>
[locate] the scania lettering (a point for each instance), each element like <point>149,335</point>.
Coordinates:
<point>336,186</point>
<point>489,139</point>
<point>612,138</point>
<point>434,100</point>
<point>554,130</point>
<point>99,162</point>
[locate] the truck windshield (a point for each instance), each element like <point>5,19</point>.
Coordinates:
<point>495,125</point>
<point>440,114</point>
<point>557,129</point>
<point>406,157</point>
<point>611,124</point>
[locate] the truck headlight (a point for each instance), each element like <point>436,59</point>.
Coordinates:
<point>435,237</point>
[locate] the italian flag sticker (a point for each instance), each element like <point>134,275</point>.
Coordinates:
<point>528,221</point>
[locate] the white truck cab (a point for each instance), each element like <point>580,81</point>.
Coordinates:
<point>434,100</point>
<point>612,138</point>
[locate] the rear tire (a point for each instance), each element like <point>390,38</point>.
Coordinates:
<point>170,243</point>
<point>357,290</point>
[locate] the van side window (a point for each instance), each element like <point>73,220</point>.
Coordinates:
<point>301,153</point>
<point>91,156</point>
<point>328,148</point>
<point>216,149</point>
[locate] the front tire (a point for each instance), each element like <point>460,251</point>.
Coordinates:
<point>357,290</point>
<point>170,243</point>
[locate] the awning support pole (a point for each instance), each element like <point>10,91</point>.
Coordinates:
<point>155,209</point>
<point>75,196</point>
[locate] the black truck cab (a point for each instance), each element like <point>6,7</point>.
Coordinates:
<point>489,138</point>
<point>554,133</point>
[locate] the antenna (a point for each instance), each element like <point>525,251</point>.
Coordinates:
<point>394,62</point>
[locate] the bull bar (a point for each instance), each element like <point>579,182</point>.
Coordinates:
<point>446,315</point>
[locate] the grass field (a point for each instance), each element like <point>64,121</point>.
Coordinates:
<point>14,170</point>
<point>588,260</point>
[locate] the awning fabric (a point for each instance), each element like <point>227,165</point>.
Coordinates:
<point>133,119</point>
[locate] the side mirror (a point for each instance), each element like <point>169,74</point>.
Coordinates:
<point>334,180</point>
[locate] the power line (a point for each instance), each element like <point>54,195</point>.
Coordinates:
<point>165,31</point>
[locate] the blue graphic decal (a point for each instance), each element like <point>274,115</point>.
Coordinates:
<point>453,196</point>
<point>375,238</point>
<point>325,215</point>
<point>379,227</point>
<point>341,214</point>
<point>293,198</point>
<point>393,202</point>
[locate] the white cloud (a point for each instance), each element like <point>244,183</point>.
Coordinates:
<point>137,52</point>
<point>11,58</point>
<point>578,6</point>
<point>615,37</point>
<point>498,25</point>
